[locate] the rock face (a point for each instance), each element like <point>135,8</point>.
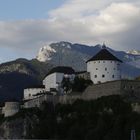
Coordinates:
<point>45,53</point>
<point>12,129</point>
<point>17,128</point>
<point>67,54</point>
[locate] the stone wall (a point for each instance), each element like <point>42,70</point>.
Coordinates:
<point>104,89</point>
<point>10,108</point>
<point>69,98</point>
<point>123,87</point>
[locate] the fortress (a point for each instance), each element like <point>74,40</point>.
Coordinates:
<point>103,69</point>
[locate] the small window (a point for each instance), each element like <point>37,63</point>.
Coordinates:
<point>96,68</point>
<point>103,61</point>
<point>103,75</point>
<point>114,68</point>
<point>29,94</point>
<point>113,76</point>
<point>105,69</point>
<point>95,76</point>
<point>124,87</point>
<point>98,61</point>
<point>111,61</point>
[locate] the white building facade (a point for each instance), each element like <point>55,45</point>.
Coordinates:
<point>104,67</point>
<point>31,92</point>
<point>54,79</point>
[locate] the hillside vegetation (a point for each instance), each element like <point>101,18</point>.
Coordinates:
<point>107,118</point>
<point>19,74</point>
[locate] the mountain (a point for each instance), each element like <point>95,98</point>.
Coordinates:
<point>76,55</point>
<point>19,74</point>
<point>32,67</point>
<point>135,52</point>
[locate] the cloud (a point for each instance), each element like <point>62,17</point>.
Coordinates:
<point>109,21</point>
<point>82,21</point>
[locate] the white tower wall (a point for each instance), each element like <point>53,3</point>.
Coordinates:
<point>104,70</point>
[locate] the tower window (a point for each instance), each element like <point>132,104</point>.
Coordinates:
<point>113,76</point>
<point>95,76</point>
<point>105,69</point>
<point>103,75</point>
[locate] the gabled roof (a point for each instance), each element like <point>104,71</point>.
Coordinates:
<point>61,69</point>
<point>104,54</point>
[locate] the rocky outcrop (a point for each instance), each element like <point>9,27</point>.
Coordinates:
<point>17,128</point>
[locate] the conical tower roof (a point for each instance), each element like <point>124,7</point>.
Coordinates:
<point>104,54</point>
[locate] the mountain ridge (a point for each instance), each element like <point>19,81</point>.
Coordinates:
<point>76,55</point>
<point>67,54</point>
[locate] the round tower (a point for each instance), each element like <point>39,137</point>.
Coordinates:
<point>104,66</point>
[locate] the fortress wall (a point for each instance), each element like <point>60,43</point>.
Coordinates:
<point>104,89</point>
<point>39,100</point>
<point>123,87</point>
<point>10,108</point>
<point>131,88</point>
<point>68,99</point>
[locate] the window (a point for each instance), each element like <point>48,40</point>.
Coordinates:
<point>124,87</point>
<point>96,68</point>
<point>95,76</point>
<point>103,76</point>
<point>113,76</point>
<point>98,61</point>
<point>103,61</point>
<point>114,68</point>
<point>105,69</point>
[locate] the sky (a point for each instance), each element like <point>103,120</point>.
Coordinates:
<point>27,25</point>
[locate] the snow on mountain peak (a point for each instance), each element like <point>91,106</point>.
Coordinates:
<point>134,52</point>
<point>45,53</point>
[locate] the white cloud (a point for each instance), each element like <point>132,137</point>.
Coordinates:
<point>81,21</point>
